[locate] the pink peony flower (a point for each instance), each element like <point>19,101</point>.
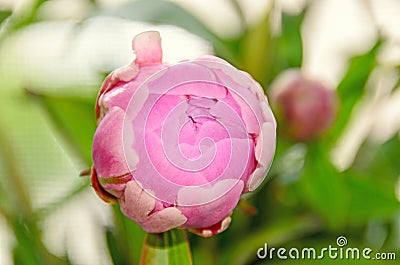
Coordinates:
<point>177,145</point>
<point>306,107</point>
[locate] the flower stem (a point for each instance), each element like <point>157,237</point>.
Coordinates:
<point>171,247</point>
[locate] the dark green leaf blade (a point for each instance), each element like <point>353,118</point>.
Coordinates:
<point>290,45</point>
<point>4,14</point>
<point>129,238</point>
<point>114,247</point>
<point>352,87</point>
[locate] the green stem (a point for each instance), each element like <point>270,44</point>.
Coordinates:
<point>171,247</point>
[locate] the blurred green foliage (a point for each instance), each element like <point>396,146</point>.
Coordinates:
<point>4,14</point>
<point>307,202</point>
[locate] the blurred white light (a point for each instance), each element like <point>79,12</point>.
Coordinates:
<point>6,241</point>
<point>64,9</point>
<point>217,15</point>
<point>63,54</point>
<point>77,227</point>
<point>377,116</point>
<point>333,31</point>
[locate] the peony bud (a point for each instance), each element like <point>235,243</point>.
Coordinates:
<point>305,107</point>
<point>177,145</point>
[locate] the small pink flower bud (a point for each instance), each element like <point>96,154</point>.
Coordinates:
<point>177,145</point>
<point>306,107</point>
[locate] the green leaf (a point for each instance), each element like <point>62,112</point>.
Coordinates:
<point>24,18</point>
<point>258,48</point>
<point>25,252</point>
<point>4,14</point>
<point>324,187</point>
<point>114,247</point>
<point>352,87</point>
<point>265,55</point>
<point>204,250</point>
<point>171,247</point>
<point>381,160</point>
<point>373,178</point>
<point>290,45</point>
<point>371,198</point>
<point>74,117</point>
<point>166,12</point>
<point>29,249</point>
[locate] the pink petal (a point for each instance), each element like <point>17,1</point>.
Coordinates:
<point>161,108</point>
<point>264,152</point>
<point>121,93</point>
<point>211,58</point>
<point>187,76</point>
<point>193,133</point>
<point>199,89</point>
<point>125,74</point>
<point>214,229</point>
<point>164,220</point>
<point>108,153</point>
<point>168,167</point>
<point>147,46</point>
<point>267,112</point>
<point>232,160</point>
<point>246,94</point>
<point>248,115</point>
<point>137,203</point>
<point>211,209</point>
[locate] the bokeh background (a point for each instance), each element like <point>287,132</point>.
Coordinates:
<point>55,54</point>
